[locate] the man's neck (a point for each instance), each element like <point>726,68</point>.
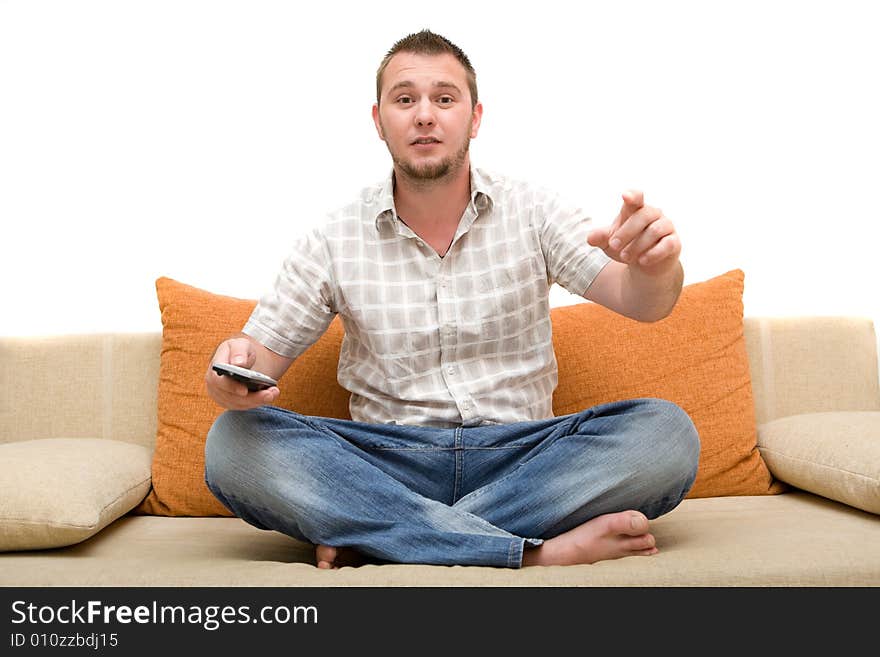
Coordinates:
<point>435,205</point>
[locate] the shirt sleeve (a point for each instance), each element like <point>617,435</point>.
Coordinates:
<point>571,261</point>
<point>298,309</point>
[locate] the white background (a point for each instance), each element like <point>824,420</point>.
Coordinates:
<point>196,139</point>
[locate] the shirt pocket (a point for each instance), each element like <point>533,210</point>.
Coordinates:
<point>514,289</point>
<point>517,291</point>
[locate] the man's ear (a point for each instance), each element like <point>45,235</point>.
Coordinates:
<point>377,122</point>
<point>476,119</point>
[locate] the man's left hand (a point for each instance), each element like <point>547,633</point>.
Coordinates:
<point>641,236</point>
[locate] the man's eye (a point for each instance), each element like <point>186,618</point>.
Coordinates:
<point>445,100</point>
<point>404,100</point>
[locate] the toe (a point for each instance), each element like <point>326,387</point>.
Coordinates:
<point>325,556</point>
<point>643,542</point>
<point>638,523</point>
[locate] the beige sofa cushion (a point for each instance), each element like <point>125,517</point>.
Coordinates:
<point>833,454</point>
<point>793,539</point>
<point>59,491</point>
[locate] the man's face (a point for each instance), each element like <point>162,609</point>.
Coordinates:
<point>425,115</point>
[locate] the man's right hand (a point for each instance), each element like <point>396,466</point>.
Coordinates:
<point>230,393</point>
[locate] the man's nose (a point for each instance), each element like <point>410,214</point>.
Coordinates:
<point>425,113</point>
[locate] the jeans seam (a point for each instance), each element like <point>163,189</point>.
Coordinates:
<point>445,449</point>
<point>305,419</point>
<point>457,447</point>
<point>512,561</point>
<point>411,449</point>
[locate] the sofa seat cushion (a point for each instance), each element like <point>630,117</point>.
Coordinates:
<point>59,491</point>
<point>792,539</point>
<point>833,454</point>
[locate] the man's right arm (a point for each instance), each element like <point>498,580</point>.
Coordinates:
<point>244,351</point>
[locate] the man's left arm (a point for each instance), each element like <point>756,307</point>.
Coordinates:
<point>645,277</point>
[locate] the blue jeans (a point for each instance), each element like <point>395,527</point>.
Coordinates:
<point>464,495</point>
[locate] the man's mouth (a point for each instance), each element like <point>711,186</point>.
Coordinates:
<point>424,141</point>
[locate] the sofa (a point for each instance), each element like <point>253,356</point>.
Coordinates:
<point>85,439</point>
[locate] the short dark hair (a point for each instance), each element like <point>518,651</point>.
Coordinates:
<point>427,42</point>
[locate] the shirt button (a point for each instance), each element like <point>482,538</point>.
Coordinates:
<point>420,243</point>
<point>450,370</point>
<point>465,404</point>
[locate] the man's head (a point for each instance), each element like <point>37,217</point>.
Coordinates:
<point>426,107</point>
<point>428,43</point>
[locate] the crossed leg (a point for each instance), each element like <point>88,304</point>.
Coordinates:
<point>558,493</point>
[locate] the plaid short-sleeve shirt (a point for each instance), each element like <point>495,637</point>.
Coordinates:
<point>460,340</point>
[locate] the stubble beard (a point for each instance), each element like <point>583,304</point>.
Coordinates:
<point>432,172</point>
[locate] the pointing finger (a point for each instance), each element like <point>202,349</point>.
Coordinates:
<point>633,199</point>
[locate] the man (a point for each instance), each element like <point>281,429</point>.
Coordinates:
<point>441,276</point>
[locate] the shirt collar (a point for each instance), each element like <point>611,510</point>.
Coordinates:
<point>481,196</point>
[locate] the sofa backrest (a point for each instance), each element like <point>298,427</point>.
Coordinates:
<point>101,385</point>
<point>811,365</point>
<point>105,384</point>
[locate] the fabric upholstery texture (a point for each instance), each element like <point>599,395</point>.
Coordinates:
<point>812,364</point>
<point>696,357</point>
<point>794,539</point>
<point>833,454</point>
<point>101,385</point>
<point>59,491</point>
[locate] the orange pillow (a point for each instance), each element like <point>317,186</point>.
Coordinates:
<point>695,357</point>
<point>194,322</point>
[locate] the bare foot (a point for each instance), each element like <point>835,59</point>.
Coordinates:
<point>609,536</point>
<point>327,556</point>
